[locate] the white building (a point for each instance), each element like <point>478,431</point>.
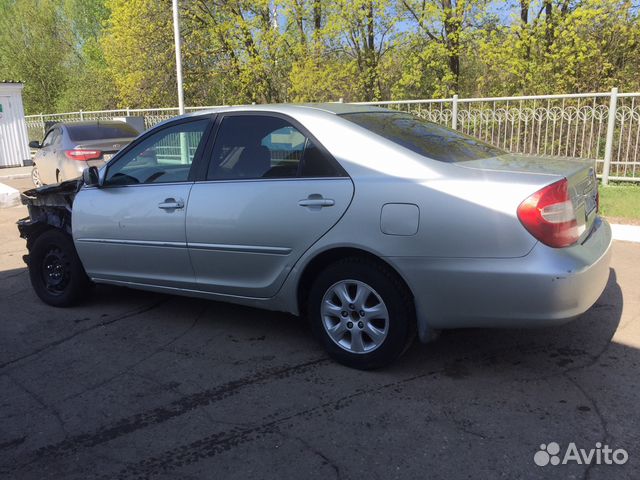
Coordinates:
<point>14,142</point>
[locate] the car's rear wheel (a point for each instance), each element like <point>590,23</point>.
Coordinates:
<point>361,312</point>
<point>35,176</point>
<point>55,270</point>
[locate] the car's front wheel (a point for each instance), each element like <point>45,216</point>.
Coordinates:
<point>55,270</point>
<point>361,312</point>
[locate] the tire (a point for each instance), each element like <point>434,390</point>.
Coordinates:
<point>35,176</point>
<point>55,270</point>
<point>361,313</point>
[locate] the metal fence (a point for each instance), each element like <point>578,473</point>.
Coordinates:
<point>36,124</point>
<point>603,126</point>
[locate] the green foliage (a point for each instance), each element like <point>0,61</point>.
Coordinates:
<point>96,54</point>
<point>34,48</point>
<point>138,48</point>
<point>621,202</point>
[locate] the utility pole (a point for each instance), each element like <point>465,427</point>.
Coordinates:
<point>176,35</point>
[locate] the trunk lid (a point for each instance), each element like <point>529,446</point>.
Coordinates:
<point>109,145</point>
<point>580,174</point>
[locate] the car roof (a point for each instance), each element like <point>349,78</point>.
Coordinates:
<point>88,123</point>
<point>336,108</point>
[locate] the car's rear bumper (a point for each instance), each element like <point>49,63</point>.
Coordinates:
<point>74,168</point>
<point>547,286</point>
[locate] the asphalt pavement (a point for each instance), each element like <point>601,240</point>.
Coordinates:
<point>139,385</point>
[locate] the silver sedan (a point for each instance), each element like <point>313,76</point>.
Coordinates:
<point>68,148</point>
<point>375,224</point>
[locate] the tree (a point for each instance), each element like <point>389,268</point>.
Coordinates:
<point>342,49</point>
<point>139,52</point>
<point>90,86</point>
<point>35,47</point>
<point>441,29</point>
<point>563,47</point>
<point>95,54</point>
<point>239,46</point>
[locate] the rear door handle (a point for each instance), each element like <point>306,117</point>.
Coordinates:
<point>316,201</point>
<point>171,204</point>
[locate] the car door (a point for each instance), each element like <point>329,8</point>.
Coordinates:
<point>132,227</point>
<point>270,192</point>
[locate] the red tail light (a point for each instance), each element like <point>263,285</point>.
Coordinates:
<point>83,154</point>
<point>549,216</point>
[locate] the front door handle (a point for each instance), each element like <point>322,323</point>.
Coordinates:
<point>316,201</point>
<point>171,204</point>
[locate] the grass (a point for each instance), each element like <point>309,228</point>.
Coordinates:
<point>621,203</point>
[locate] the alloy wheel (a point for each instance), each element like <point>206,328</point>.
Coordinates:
<point>35,177</point>
<point>354,316</point>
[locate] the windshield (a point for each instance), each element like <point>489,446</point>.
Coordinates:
<point>424,137</point>
<point>83,133</point>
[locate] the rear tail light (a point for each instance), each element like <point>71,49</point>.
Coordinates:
<point>83,155</point>
<point>549,216</point>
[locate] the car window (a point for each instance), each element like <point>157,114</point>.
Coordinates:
<point>426,138</point>
<point>83,133</point>
<point>57,136</point>
<point>165,156</point>
<point>52,138</point>
<point>49,138</point>
<point>262,146</point>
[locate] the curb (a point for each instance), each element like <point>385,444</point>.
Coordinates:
<point>15,177</point>
<point>626,233</point>
<point>9,197</point>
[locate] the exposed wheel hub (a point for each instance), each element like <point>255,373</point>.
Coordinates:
<point>55,271</point>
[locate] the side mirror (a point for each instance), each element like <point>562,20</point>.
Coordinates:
<point>90,177</point>
<point>34,144</point>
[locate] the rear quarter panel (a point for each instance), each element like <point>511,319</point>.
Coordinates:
<point>463,212</point>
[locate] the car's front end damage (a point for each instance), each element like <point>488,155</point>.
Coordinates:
<point>49,207</point>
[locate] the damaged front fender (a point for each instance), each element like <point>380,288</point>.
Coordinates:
<point>49,207</point>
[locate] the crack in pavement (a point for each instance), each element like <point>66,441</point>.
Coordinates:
<point>222,441</point>
<point>45,406</point>
<point>596,409</point>
<point>142,360</point>
<point>105,323</point>
<point>12,443</point>
<point>174,409</point>
<point>217,443</point>
<point>325,459</point>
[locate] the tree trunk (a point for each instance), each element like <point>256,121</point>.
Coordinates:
<point>452,30</point>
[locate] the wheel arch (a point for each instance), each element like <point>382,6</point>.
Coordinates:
<point>318,262</point>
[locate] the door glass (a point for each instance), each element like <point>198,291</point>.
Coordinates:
<point>57,136</point>
<point>165,156</point>
<point>261,146</point>
<point>49,138</point>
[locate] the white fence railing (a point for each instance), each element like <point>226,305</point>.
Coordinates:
<point>603,126</point>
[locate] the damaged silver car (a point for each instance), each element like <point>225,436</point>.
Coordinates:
<point>375,224</point>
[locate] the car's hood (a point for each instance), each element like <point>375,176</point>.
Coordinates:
<point>559,166</point>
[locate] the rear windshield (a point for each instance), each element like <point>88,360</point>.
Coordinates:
<point>424,137</point>
<point>83,133</point>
